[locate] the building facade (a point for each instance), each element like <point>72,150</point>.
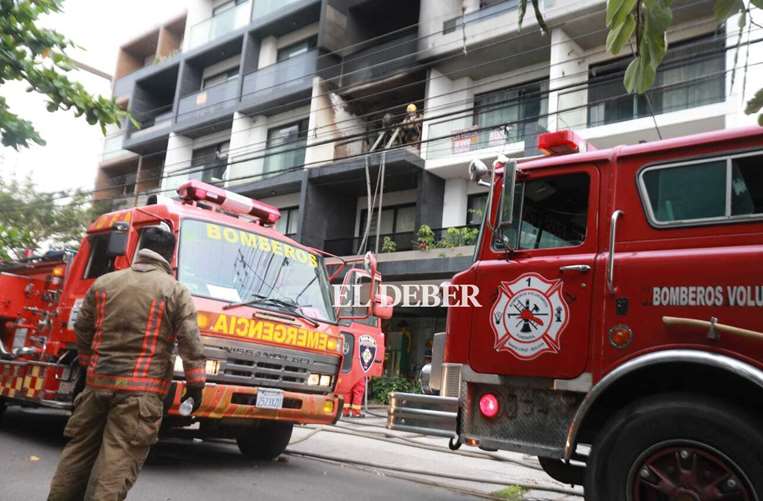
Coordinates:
<point>302,104</point>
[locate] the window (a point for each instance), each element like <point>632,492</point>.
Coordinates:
<point>298,48</point>
<point>99,262</point>
<point>213,160</point>
<point>219,78</point>
<point>348,347</point>
<point>399,219</point>
<point>550,212</point>
<point>522,107</point>
<point>475,208</point>
<point>289,221</point>
<point>719,188</point>
<point>692,74</point>
<point>125,184</point>
<point>290,140</point>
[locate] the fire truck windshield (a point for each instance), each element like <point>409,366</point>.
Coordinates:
<point>234,265</point>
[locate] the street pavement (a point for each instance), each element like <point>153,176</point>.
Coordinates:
<point>314,468</point>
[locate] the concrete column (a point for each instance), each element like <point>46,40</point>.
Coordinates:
<point>196,12</point>
<point>454,203</point>
<point>248,139</point>
<point>567,67</point>
<point>738,95</point>
<point>268,52</point>
<point>429,199</point>
<point>445,95</point>
<point>178,158</point>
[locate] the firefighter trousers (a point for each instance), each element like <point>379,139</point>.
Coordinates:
<point>111,434</point>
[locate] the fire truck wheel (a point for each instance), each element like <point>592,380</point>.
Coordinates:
<point>266,441</point>
<point>677,447</point>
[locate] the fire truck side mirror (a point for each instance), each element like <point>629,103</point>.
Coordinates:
<point>118,240</point>
<point>382,306</point>
<point>509,189</point>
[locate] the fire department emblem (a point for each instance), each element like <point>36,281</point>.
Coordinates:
<point>367,350</point>
<point>529,316</point>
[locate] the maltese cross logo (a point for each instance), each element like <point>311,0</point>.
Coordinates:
<point>529,316</point>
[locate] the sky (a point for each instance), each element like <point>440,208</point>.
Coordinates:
<point>70,158</point>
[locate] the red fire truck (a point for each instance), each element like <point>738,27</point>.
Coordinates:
<point>620,333</point>
<point>271,334</point>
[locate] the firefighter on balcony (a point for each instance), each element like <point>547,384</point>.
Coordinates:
<point>410,127</point>
<point>126,332</point>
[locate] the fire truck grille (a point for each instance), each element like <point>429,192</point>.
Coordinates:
<point>258,365</point>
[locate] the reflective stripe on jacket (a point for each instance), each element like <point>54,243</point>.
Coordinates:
<point>129,323</point>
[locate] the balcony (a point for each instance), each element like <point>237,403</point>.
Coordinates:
<point>152,121</point>
<point>440,238</point>
<point>263,8</point>
<point>112,148</point>
<point>459,135</point>
<point>455,23</point>
<point>280,83</point>
<point>380,61</point>
<point>209,102</point>
<point>217,26</point>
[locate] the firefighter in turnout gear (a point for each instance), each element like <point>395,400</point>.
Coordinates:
<point>126,333</point>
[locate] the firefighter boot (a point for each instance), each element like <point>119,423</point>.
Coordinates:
<point>112,434</point>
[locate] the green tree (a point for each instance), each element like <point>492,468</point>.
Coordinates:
<point>33,220</point>
<point>642,24</point>
<point>37,56</point>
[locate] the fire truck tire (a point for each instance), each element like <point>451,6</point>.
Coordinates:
<point>676,441</point>
<point>265,442</point>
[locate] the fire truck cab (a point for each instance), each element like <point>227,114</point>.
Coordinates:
<point>270,331</point>
<point>620,333</point>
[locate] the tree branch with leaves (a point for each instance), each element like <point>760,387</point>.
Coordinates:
<point>37,56</point>
<point>647,21</point>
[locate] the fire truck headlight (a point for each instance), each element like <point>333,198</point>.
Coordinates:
<point>325,380</point>
<point>314,379</point>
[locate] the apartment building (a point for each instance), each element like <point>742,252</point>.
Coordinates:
<point>289,101</point>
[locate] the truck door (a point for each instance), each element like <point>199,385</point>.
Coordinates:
<point>536,297</point>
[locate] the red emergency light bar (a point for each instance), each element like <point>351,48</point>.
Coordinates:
<point>228,201</point>
<point>562,142</point>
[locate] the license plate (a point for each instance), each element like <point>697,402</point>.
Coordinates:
<point>269,399</point>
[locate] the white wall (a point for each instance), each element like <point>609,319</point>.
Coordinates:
<point>197,11</point>
<point>568,66</point>
<point>178,157</point>
<point>268,52</point>
<point>454,203</point>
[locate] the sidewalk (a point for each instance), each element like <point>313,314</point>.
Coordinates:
<point>369,445</point>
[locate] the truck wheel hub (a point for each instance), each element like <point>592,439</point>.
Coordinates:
<point>687,471</point>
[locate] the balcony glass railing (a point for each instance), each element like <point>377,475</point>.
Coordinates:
<point>263,8</point>
<point>441,238</point>
<point>459,135</point>
<point>217,26</point>
<point>153,120</point>
<point>382,59</point>
<point>281,79</point>
<point>280,159</point>
<point>455,23</point>
<point>210,100</point>
<point>606,102</point>
<point>112,146</point>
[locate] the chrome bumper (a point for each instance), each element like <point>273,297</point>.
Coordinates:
<point>427,414</point>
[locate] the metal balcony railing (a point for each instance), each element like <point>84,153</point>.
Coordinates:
<point>217,26</point>
<point>440,238</point>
